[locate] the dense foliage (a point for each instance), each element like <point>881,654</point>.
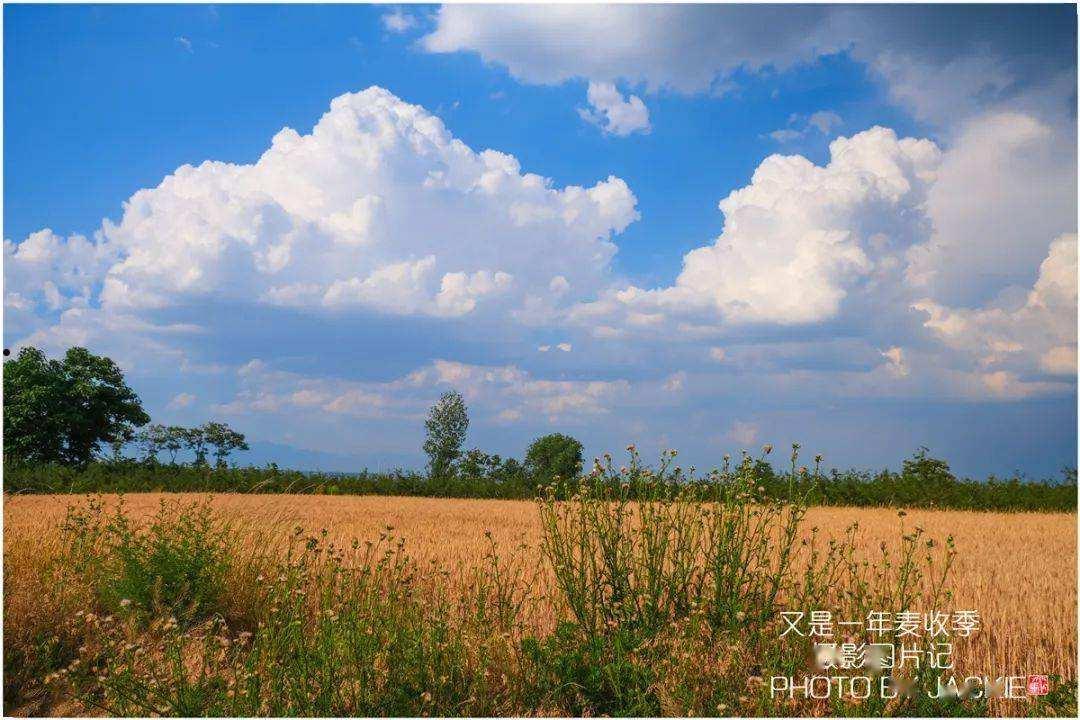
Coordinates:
<point>554,456</point>
<point>446,425</point>
<point>67,411</point>
<point>212,437</point>
<point>922,482</point>
<point>63,411</point>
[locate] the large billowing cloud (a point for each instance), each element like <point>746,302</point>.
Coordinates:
<point>1005,188</point>
<point>799,236</point>
<point>942,64</point>
<point>377,213</point>
<point>684,48</point>
<point>886,243</point>
<point>379,207</point>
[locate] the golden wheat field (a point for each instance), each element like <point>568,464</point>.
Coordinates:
<point>1017,570</point>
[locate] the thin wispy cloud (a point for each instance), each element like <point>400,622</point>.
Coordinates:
<point>398,21</point>
<point>822,122</point>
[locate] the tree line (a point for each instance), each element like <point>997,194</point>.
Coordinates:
<point>211,438</point>
<point>549,457</point>
<point>61,415</point>
<point>67,411</point>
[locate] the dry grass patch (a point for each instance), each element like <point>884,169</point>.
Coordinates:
<point>1017,570</point>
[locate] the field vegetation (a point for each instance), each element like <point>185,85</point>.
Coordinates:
<point>922,481</point>
<point>636,590</point>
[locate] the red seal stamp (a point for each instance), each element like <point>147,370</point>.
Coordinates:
<point>1038,685</point>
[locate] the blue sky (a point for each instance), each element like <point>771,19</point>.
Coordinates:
<point>128,103</point>
<point>864,291</point>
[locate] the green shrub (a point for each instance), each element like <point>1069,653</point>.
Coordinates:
<point>340,632</point>
<point>176,564</point>
<point>553,456</point>
<point>594,675</point>
<point>649,560</point>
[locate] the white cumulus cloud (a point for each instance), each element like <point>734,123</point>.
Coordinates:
<point>800,236</point>
<point>1006,187</point>
<point>1007,337</point>
<point>613,113</point>
<point>379,208</point>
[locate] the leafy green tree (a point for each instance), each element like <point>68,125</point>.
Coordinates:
<point>195,440</point>
<point>174,441</point>
<point>223,439</point>
<point>478,474</point>
<point>476,464</point>
<point>923,469</point>
<point>447,423</point>
<point>927,478</point>
<point>551,456</point>
<point>152,441</point>
<point>117,455</point>
<point>62,411</point>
